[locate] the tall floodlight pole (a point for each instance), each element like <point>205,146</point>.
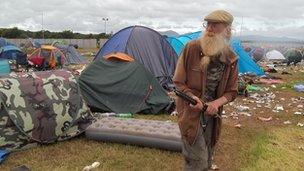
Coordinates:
<point>105,20</point>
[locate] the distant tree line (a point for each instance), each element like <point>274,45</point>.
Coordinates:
<point>15,33</point>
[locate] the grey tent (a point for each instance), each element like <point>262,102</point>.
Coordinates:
<point>122,87</point>
<point>71,55</point>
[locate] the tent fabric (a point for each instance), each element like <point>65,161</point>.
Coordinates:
<point>10,47</point>
<point>293,55</point>
<point>32,43</point>
<point>122,87</point>
<point>147,47</point>
<point>117,43</point>
<point>119,56</point>
<point>245,63</point>
<point>3,155</point>
<point>4,67</point>
<point>256,53</point>
<point>47,55</point>
<point>59,42</point>
<point>71,55</point>
<point>176,44</point>
<point>12,52</point>
<point>40,107</point>
<point>193,35</point>
<point>184,39</point>
<point>274,55</point>
<point>248,49</point>
<point>179,42</point>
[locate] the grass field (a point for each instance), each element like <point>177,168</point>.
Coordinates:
<point>257,145</point>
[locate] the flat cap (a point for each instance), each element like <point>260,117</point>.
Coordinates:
<point>219,16</point>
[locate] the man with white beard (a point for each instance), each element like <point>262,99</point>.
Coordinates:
<point>207,71</point>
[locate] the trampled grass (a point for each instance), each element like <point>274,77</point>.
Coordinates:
<point>279,149</point>
<point>253,147</point>
<point>256,146</point>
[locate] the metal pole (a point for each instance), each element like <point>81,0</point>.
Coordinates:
<point>105,20</point>
<point>42,28</point>
<point>106,26</point>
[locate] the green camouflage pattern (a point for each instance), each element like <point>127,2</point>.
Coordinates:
<point>40,107</point>
<point>11,138</point>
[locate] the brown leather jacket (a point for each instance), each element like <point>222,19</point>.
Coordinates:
<point>190,79</point>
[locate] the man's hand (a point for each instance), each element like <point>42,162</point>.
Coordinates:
<point>199,105</point>
<point>212,108</point>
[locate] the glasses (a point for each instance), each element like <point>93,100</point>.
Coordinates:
<point>217,26</point>
<point>212,24</point>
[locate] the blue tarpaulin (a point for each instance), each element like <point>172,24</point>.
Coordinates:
<point>246,63</point>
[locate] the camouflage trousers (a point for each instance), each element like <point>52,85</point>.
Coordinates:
<point>198,157</point>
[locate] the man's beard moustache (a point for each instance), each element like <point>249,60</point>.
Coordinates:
<point>212,45</point>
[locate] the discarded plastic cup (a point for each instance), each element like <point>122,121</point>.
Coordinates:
<point>91,167</point>
<point>298,113</point>
<point>242,108</point>
<point>107,114</point>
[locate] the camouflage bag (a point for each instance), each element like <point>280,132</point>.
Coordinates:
<point>40,107</point>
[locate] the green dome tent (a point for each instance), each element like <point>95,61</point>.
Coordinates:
<point>293,56</point>
<point>122,86</point>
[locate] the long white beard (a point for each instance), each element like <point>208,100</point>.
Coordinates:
<point>213,45</point>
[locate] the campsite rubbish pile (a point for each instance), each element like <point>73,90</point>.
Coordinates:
<point>112,114</point>
<point>265,104</point>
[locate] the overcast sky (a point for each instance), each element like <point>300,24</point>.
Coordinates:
<point>268,18</point>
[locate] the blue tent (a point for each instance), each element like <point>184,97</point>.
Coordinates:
<point>184,39</point>
<point>179,42</point>
<point>194,35</point>
<point>12,52</point>
<point>147,47</point>
<point>245,63</point>
<point>176,44</point>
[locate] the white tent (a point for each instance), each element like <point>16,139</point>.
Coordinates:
<point>274,55</point>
